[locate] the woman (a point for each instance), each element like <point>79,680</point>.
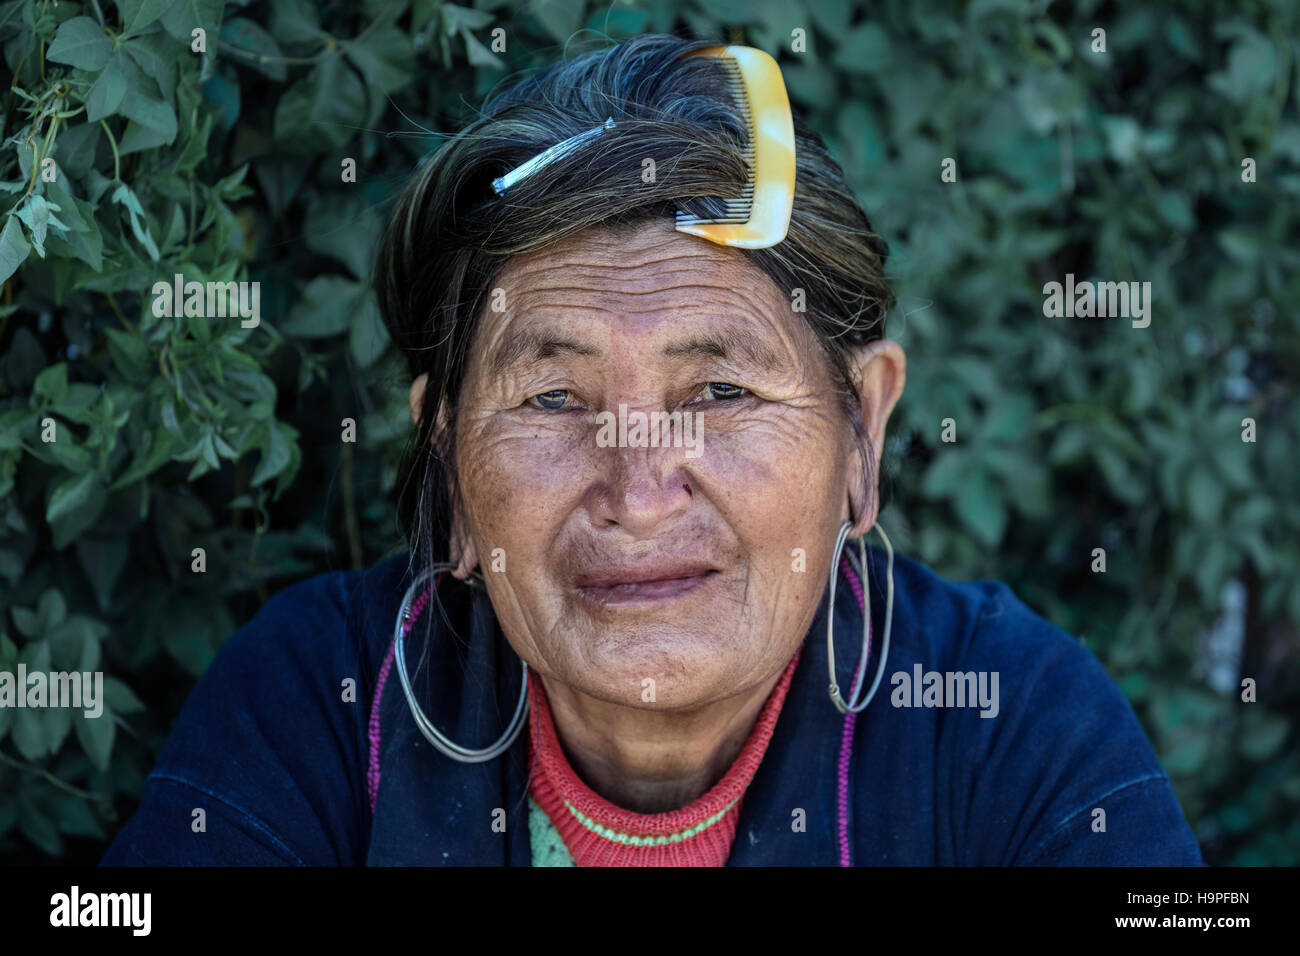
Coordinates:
<point>629,632</point>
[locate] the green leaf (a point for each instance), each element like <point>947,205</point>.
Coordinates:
<point>1175,210</point>
<point>69,495</point>
<point>130,354</point>
<point>38,215</point>
<point>25,359</point>
<point>322,110</point>
<point>27,733</point>
<point>456,18</point>
<point>833,16</point>
<point>12,565</point>
<point>1204,494</point>
<point>1186,756</point>
<point>259,51</point>
<point>368,338</point>
<point>75,148</point>
<point>57,723</point>
<point>120,698</point>
<point>36,655</point>
<point>138,14</point>
<point>156,454</point>
<point>38,827</point>
<point>184,16</point>
<point>81,42</point>
<point>102,560</point>
<point>76,818</point>
<point>153,123</point>
<point>124,196</point>
<point>226,95</point>
<point>1262,738</point>
<point>1123,137</point>
<point>106,95</point>
<point>346,229</point>
<point>68,642</point>
<point>295,22</point>
<point>156,54</point>
<point>866,49</point>
<point>945,473</point>
<point>981,509</point>
<point>479,55</point>
<point>385,58</point>
<point>275,455</point>
<point>1252,64</point>
<point>199,328</point>
<point>72,214</point>
<point>96,735</point>
<point>28,622</point>
<point>14,248</point>
<point>558,17</point>
<point>52,384</point>
<point>1243,245</point>
<point>326,308</point>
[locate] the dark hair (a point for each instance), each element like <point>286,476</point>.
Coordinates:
<point>449,234</point>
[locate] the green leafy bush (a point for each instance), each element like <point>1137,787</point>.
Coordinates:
<point>228,160</point>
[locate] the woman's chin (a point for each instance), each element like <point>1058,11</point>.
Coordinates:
<point>663,671</point>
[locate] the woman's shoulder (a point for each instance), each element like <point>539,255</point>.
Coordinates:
<point>980,622</point>
<point>1038,677</point>
<point>322,638</point>
<point>266,761</point>
<point>345,613</point>
<point>1028,717</point>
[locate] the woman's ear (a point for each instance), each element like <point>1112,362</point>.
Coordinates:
<point>416,397</point>
<point>461,548</point>
<point>881,371</point>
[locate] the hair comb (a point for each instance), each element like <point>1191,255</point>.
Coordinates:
<point>761,216</point>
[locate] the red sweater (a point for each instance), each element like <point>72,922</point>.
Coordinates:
<point>597,833</point>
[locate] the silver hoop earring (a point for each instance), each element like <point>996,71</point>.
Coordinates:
<point>841,705</point>
<point>449,747</point>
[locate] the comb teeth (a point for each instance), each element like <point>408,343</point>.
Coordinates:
<point>737,210</point>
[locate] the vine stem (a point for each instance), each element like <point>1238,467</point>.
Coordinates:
<point>117,160</point>
<point>122,318</point>
<point>61,784</point>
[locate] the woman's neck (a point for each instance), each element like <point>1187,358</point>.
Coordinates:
<point>652,761</point>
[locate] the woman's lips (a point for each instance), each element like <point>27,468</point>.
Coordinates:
<point>644,585</point>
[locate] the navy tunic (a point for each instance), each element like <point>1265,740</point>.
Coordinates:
<point>282,742</point>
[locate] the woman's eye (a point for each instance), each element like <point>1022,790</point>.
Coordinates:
<point>721,390</point>
<point>553,400</point>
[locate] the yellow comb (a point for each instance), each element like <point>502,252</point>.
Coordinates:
<point>761,217</point>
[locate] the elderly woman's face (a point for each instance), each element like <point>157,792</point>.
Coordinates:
<point>698,564</point>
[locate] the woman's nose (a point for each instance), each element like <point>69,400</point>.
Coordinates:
<point>642,488</point>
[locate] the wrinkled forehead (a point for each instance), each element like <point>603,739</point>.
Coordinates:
<point>652,289</point>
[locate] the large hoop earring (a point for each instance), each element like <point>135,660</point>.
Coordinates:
<point>852,706</point>
<point>447,746</point>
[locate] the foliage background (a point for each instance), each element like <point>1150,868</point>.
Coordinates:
<point>1072,434</point>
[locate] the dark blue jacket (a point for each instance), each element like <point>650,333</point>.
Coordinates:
<point>275,751</point>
